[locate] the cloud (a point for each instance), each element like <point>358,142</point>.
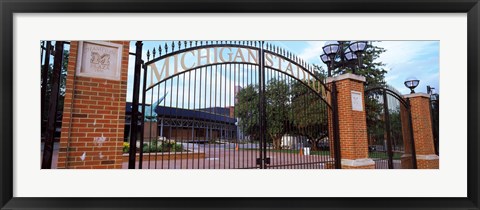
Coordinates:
<point>403,59</point>
<point>313,51</point>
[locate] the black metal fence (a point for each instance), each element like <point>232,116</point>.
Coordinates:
<point>435,116</point>
<point>236,107</point>
<point>390,136</point>
<point>53,79</point>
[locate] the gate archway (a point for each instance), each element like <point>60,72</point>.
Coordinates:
<point>232,104</point>
<point>389,126</point>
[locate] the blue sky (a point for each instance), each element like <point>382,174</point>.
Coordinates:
<point>403,59</point>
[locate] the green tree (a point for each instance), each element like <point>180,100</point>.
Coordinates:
<point>62,88</point>
<point>277,94</point>
<point>396,129</point>
<point>373,70</point>
<point>311,116</point>
<point>63,81</point>
<point>375,123</point>
<point>246,110</point>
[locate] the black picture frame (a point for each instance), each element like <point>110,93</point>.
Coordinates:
<point>10,7</point>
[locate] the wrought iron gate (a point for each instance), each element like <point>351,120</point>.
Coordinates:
<point>435,113</point>
<point>229,105</point>
<point>389,125</point>
<point>52,79</point>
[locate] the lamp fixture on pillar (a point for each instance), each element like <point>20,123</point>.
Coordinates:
<point>411,83</point>
<point>431,92</point>
<point>336,55</point>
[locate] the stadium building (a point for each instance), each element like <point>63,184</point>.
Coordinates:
<point>186,125</point>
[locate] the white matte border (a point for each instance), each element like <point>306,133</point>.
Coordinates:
<point>449,181</point>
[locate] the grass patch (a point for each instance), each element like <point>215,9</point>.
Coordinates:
<point>384,155</point>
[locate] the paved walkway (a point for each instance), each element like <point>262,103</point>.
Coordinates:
<point>225,156</point>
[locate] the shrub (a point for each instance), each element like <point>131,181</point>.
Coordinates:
<point>171,147</point>
<point>126,147</point>
<point>145,148</point>
<point>165,146</point>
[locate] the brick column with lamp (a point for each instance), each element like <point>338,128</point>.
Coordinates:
<point>352,121</point>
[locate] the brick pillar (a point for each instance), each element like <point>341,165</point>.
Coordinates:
<point>406,158</point>
<point>94,108</point>
<point>352,121</point>
<point>422,131</point>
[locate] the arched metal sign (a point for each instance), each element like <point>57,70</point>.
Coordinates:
<point>212,53</point>
<point>232,104</point>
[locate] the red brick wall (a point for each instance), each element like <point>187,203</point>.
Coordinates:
<point>427,164</point>
<point>422,131</point>
<point>422,125</point>
<point>352,124</point>
<point>93,107</point>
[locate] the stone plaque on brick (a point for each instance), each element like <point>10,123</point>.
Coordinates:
<point>357,104</point>
<point>99,59</point>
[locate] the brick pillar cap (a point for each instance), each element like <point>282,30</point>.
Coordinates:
<point>414,95</point>
<point>346,76</point>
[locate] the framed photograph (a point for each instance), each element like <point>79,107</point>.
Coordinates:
<point>328,94</point>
